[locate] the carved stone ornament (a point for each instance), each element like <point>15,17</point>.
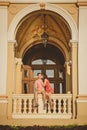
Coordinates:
<point>42,5</point>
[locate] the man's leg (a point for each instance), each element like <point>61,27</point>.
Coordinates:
<point>36,98</point>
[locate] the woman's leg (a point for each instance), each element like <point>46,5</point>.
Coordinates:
<point>50,100</point>
<point>44,98</point>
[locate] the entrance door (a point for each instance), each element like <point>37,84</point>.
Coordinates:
<point>49,60</point>
<point>55,73</point>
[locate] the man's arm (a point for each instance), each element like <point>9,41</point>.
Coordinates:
<point>35,85</point>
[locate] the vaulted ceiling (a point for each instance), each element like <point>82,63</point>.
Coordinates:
<point>32,26</point>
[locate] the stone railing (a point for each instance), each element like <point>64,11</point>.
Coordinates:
<point>23,106</point>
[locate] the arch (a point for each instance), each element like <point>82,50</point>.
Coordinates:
<point>61,46</point>
<point>35,7</point>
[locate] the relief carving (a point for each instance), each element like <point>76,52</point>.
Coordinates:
<point>13,9</point>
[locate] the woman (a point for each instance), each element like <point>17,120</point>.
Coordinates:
<point>48,89</point>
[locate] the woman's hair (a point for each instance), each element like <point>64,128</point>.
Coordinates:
<point>44,76</point>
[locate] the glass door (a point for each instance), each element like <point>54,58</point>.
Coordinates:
<point>55,74</point>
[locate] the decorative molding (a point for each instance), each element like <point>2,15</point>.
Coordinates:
<point>18,61</point>
<point>49,7</point>
<point>4,3</point>
<point>3,97</point>
<point>42,5</point>
<point>72,10</point>
<point>38,1</point>
<point>13,9</point>
<point>12,42</point>
<point>82,4</point>
<point>3,101</point>
<point>82,96</point>
<point>81,101</point>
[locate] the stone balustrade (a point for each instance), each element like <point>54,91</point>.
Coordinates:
<point>23,106</point>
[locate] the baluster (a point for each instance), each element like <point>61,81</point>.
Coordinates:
<point>59,106</point>
<point>30,105</point>
<point>25,112</point>
<point>64,104</point>
<point>54,108</point>
<point>19,106</point>
<point>69,105</point>
<point>35,109</point>
<point>49,111</point>
<point>14,106</point>
<point>40,108</point>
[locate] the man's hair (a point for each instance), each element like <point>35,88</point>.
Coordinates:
<point>38,74</point>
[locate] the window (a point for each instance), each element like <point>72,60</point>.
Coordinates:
<point>43,61</point>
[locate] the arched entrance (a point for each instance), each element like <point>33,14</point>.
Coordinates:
<point>31,49</point>
<point>48,60</point>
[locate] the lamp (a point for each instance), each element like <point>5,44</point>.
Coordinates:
<point>44,36</point>
<point>44,61</point>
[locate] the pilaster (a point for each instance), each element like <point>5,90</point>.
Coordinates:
<point>18,76</point>
<point>82,59</point>
<point>74,55</point>
<point>3,49</point>
<point>10,78</point>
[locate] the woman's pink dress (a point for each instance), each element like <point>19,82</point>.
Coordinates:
<point>48,87</point>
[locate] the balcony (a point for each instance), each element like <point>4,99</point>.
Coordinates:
<point>23,106</point>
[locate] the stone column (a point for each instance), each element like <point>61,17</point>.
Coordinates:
<point>74,49</point>
<point>10,77</point>
<point>18,76</point>
<point>68,76</point>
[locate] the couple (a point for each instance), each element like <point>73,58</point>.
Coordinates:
<point>42,86</point>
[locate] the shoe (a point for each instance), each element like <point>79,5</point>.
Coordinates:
<point>44,107</point>
<point>36,105</point>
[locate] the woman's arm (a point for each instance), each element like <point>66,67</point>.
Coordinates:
<point>45,82</point>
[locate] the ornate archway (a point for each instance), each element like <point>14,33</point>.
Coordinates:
<point>36,7</point>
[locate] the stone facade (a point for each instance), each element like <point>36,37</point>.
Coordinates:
<point>66,26</point>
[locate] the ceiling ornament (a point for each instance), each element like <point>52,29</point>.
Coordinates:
<point>44,36</point>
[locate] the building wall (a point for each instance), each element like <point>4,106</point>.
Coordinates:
<point>82,60</point>
<point>3,49</point>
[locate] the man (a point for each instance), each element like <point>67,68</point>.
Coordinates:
<point>39,89</point>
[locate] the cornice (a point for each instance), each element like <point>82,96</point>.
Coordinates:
<point>4,3</point>
<point>39,1</point>
<point>82,97</point>
<point>82,3</point>
<point>78,2</point>
<point>3,97</point>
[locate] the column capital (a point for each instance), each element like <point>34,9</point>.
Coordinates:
<point>73,43</point>
<point>18,61</point>
<point>13,42</point>
<point>69,63</point>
